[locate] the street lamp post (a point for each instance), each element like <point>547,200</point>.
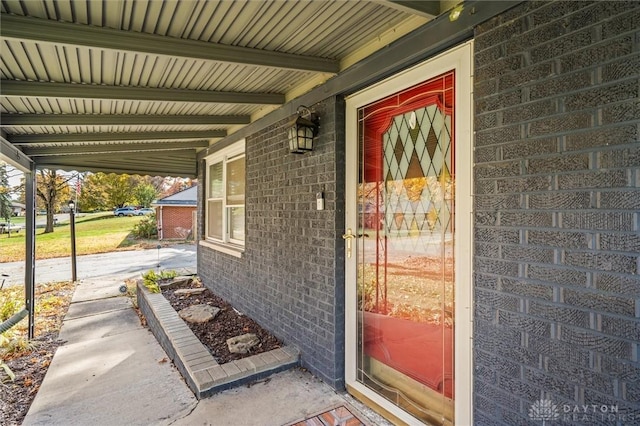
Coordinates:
<point>72,222</point>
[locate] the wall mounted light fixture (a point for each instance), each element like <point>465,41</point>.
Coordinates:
<point>456,12</point>
<point>302,130</point>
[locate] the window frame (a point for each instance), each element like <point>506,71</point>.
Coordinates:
<point>227,244</point>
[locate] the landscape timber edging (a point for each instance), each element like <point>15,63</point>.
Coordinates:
<point>203,374</point>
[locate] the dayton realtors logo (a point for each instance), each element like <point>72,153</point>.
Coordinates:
<point>545,410</point>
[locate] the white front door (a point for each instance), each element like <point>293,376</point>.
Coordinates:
<point>408,242</point>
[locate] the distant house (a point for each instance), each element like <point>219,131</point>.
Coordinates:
<point>17,208</point>
<point>176,214</point>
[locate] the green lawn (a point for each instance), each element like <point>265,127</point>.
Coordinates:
<point>95,233</point>
<point>19,220</point>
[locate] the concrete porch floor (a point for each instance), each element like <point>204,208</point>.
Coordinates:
<point>112,371</point>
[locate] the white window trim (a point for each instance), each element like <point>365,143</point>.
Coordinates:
<point>228,249</point>
<point>226,244</point>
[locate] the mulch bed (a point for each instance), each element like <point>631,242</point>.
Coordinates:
<point>227,324</point>
<point>16,397</point>
<point>30,363</point>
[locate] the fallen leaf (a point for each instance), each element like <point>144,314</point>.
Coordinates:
<point>163,360</point>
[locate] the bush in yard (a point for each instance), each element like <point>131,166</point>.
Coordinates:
<point>146,228</point>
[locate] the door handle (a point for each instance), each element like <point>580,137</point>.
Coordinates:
<point>348,237</point>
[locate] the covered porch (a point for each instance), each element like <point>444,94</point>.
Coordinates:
<point>150,89</point>
<point>507,131</point>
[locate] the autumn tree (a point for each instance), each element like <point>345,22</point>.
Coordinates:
<point>145,194</point>
<point>174,185</point>
<point>53,190</point>
<point>120,189</point>
<point>94,194</point>
<point>158,183</point>
<point>5,199</point>
<point>101,191</point>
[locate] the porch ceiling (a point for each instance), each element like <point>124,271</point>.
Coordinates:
<point>140,87</point>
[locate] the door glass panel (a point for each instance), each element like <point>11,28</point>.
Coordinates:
<point>405,249</point>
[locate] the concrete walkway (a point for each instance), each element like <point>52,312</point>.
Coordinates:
<point>112,371</point>
<point>180,257</point>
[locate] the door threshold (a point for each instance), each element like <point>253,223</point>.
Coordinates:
<point>375,407</point>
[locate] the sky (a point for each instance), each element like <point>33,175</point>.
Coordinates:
<point>14,176</point>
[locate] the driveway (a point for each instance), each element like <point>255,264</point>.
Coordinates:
<point>180,257</point>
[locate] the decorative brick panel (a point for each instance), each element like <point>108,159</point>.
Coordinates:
<point>557,293</point>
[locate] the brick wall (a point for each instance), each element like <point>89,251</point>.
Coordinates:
<point>557,159</point>
<point>291,276</point>
<point>177,222</point>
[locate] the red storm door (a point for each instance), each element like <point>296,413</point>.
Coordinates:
<point>405,285</point>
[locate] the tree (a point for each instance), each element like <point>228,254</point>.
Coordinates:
<point>53,190</point>
<point>6,209</point>
<point>119,189</point>
<point>158,183</point>
<point>145,194</point>
<point>103,191</point>
<point>94,193</point>
<point>174,185</point>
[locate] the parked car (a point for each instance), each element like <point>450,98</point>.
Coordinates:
<point>125,211</point>
<point>145,212</point>
<point>5,227</point>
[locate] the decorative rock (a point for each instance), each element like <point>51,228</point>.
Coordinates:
<point>176,282</point>
<point>199,313</point>
<point>243,343</point>
<point>189,291</point>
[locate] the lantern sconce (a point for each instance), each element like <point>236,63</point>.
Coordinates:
<point>302,130</point>
<point>456,12</point>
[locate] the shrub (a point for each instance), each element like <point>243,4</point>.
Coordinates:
<point>8,307</point>
<point>146,228</point>
<point>151,278</point>
<point>167,275</point>
<point>16,346</point>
